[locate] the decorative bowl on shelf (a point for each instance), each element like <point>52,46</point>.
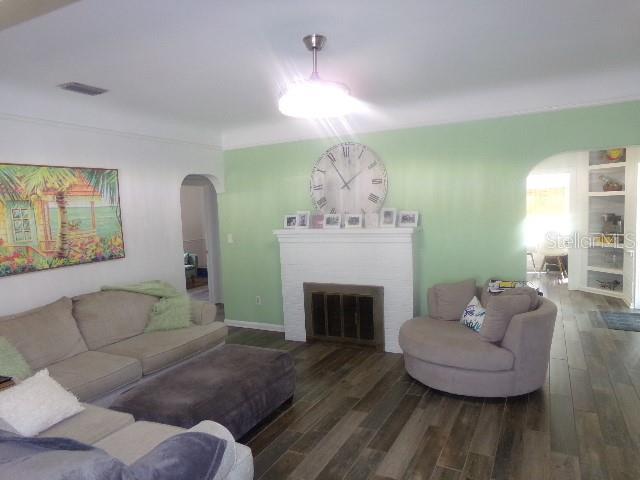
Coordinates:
<point>611,185</point>
<point>615,154</point>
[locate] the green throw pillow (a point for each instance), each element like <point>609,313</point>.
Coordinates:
<point>12,363</point>
<point>170,314</point>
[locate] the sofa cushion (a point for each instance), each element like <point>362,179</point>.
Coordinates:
<point>447,301</point>
<point>499,311</point>
<point>111,316</point>
<point>44,335</point>
<point>452,344</point>
<point>157,350</point>
<point>136,440</point>
<point>90,375</point>
<point>90,425</point>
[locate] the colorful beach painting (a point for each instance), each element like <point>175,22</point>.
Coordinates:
<point>57,216</point>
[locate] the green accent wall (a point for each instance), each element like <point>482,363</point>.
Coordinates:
<point>466,179</point>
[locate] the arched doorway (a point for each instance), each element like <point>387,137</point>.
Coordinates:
<point>200,238</point>
<point>582,220</point>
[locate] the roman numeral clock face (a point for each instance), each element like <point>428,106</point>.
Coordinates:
<point>348,178</point>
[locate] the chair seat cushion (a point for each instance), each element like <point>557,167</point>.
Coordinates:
<point>157,350</point>
<point>90,425</point>
<point>452,344</point>
<point>90,375</point>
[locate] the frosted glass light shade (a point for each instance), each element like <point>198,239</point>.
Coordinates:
<point>316,99</point>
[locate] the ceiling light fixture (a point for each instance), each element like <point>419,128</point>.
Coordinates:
<point>316,98</point>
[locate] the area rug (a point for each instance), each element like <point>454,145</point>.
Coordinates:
<point>629,321</point>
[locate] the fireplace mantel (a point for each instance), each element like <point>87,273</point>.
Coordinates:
<point>346,235</point>
<point>369,256</point>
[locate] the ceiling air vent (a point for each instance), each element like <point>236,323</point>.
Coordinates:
<point>82,88</point>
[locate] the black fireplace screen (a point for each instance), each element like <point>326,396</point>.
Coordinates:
<point>347,313</point>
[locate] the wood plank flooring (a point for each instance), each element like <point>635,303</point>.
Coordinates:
<point>356,414</point>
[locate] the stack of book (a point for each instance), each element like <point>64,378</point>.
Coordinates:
<point>6,382</point>
<point>497,286</point>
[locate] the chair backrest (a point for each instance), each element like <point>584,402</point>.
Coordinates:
<point>528,337</point>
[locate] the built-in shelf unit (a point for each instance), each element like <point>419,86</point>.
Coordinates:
<point>608,181</point>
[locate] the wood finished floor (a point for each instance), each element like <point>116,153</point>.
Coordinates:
<point>357,415</point>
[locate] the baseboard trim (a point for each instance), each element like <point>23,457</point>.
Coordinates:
<point>255,325</point>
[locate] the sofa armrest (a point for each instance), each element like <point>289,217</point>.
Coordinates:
<point>528,337</point>
<point>204,313</point>
<point>184,455</point>
<point>229,458</point>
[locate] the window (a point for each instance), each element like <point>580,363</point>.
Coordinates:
<point>547,207</point>
<point>21,221</point>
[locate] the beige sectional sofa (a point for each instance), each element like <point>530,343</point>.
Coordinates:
<point>94,344</point>
<point>120,436</point>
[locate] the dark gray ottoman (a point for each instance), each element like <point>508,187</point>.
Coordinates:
<point>234,385</point>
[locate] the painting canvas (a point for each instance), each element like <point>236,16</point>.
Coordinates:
<point>57,216</point>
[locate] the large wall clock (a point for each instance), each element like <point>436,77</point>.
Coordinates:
<point>348,178</point>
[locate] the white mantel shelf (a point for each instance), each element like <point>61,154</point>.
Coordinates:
<point>364,256</point>
<point>347,235</point>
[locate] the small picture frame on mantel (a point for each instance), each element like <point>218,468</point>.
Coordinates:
<point>303,219</point>
<point>353,220</point>
<point>332,220</point>
<point>408,218</point>
<point>317,220</point>
<point>290,221</point>
<point>388,217</point>
<point>372,220</point>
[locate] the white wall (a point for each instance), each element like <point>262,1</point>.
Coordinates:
<point>193,236</point>
<point>212,234</point>
<point>150,172</point>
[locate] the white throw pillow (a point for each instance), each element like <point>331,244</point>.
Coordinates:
<point>473,315</point>
<point>37,403</point>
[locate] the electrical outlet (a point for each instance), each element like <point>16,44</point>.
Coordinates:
<point>229,238</point>
<point>258,300</point>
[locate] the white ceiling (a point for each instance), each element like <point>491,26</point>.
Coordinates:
<point>13,12</point>
<point>210,71</point>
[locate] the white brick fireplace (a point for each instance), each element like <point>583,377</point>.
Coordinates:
<point>376,257</point>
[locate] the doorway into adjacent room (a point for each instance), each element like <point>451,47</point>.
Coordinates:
<point>200,238</point>
<point>581,223</point>
<point>548,221</point>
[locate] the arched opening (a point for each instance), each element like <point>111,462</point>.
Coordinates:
<point>552,215</point>
<point>581,223</point>
<point>200,238</point>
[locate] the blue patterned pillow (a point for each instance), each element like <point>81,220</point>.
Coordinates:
<point>473,315</point>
